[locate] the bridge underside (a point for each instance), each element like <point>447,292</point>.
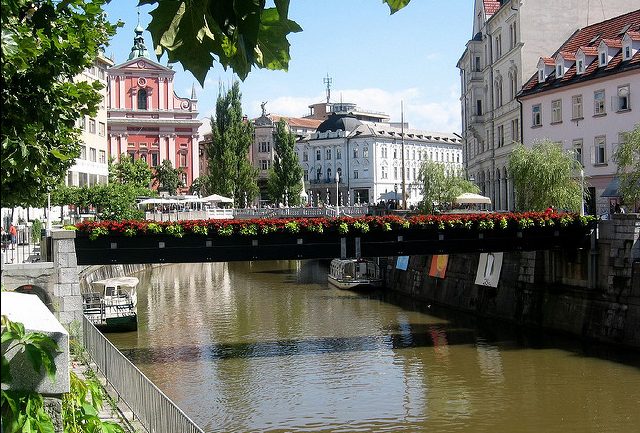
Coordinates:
<point>199,249</point>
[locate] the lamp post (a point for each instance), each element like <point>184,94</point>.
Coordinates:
<point>581,191</point>
<point>395,194</point>
<point>337,194</point>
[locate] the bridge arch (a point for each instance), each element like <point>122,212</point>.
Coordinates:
<point>31,289</point>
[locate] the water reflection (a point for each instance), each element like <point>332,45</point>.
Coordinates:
<point>269,347</point>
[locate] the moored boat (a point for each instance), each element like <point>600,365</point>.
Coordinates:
<point>354,274</point>
<point>111,304</point>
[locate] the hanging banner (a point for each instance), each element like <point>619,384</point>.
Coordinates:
<point>489,267</point>
<point>438,267</point>
<point>402,263</point>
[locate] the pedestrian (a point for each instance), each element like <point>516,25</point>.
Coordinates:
<point>14,235</point>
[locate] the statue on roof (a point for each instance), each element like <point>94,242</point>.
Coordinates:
<point>264,111</point>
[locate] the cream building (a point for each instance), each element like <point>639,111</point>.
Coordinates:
<point>91,166</point>
<point>509,37</point>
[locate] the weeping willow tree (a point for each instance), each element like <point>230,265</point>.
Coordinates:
<point>545,175</point>
<point>439,188</point>
<point>627,156</point>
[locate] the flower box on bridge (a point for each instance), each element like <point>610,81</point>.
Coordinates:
<point>111,242</point>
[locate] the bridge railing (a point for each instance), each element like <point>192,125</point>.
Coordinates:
<point>152,407</point>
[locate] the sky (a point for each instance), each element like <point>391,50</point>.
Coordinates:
<point>375,60</point>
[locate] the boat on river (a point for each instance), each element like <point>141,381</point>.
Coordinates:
<point>354,274</point>
<point>110,304</point>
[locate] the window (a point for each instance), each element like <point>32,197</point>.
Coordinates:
<point>576,107</point>
<point>305,155</point>
<point>365,152</point>
<point>93,154</point>
<point>395,153</point>
<point>101,129</point>
<point>355,174</point>
<point>512,35</point>
<point>143,156</point>
<point>339,173</point>
<point>264,147</point>
<point>580,66</point>
<point>264,164</point>
<point>577,150</point>
<point>603,58</point>
<point>498,46</point>
<point>83,123</point>
<point>600,150</point>
<point>355,152</point>
<point>598,103</point>
<point>477,65</point>
<point>536,112</point>
<point>500,137</point>
<point>541,75</point>
<point>395,172</point>
<point>92,126</point>
<point>318,155</point>
<point>329,178</point>
<point>328,154</point>
<point>183,159</point>
<point>83,152</point>
<point>515,130</point>
<point>142,99</point>
<point>479,107</point>
<point>154,159</point>
<point>383,152</point>
<point>318,174</point>
<point>513,84</point>
<point>414,172</point>
<point>498,86</point>
<point>559,71</point>
<point>305,175</point>
<point>384,172</point>
<point>103,157</point>
<point>627,52</point>
<point>338,153</point>
<point>132,154</point>
<point>556,111</point>
<point>623,98</point>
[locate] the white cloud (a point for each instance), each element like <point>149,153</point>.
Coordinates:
<point>420,111</point>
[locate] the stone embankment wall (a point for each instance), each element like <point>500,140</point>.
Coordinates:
<point>99,272</point>
<point>593,292</point>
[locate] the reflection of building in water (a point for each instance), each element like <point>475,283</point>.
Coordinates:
<point>440,343</point>
<point>490,361</point>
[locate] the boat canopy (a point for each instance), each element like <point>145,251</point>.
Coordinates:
<point>119,281</point>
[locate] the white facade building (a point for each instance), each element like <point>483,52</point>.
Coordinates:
<point>509,37</point>
<point>586,97</point>
<point>368,158</point>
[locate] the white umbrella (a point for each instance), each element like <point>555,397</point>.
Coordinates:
<point>470,198</point>
<point>216,198</point>
<point>152,201</point>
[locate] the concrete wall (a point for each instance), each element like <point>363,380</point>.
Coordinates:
<point>593,293</point>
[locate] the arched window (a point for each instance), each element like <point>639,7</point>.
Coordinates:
<point>329,174</point>
<point>142,99</point>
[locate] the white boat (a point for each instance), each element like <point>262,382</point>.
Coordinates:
<point>354,274</point>
<point>111,304</point>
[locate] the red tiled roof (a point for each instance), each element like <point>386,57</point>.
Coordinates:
<point>635,36</point>
<point>568,55</point>
<point>549,61</point>
<point>297,121</point>
<point>587,39</point>
<point>613,43</point>
<point>589,51</point>
<point>491,7</point>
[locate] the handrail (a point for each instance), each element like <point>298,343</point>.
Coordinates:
<point>155,411</point>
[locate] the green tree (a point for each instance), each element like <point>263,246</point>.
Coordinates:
<point>130,171</point>
<point>168,178</point>
<point>199,185</point>
<point>439,188</point>
<point>230,171</point>
<point>544,176</point>
<point>627,156</point>
<point>286,174</point>
<point>45,44</point>
<point>238,34</point>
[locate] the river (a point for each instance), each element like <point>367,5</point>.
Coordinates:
<point>269,347</point>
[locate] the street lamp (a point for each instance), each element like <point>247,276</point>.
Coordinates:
<point>337,194</point>
<point>581,191</point>
<point>395,196</point>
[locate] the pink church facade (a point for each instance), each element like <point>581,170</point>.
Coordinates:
<point>146,119</point>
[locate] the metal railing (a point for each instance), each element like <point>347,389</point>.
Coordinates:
<point>22,248</point>
<point>155,411</point>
